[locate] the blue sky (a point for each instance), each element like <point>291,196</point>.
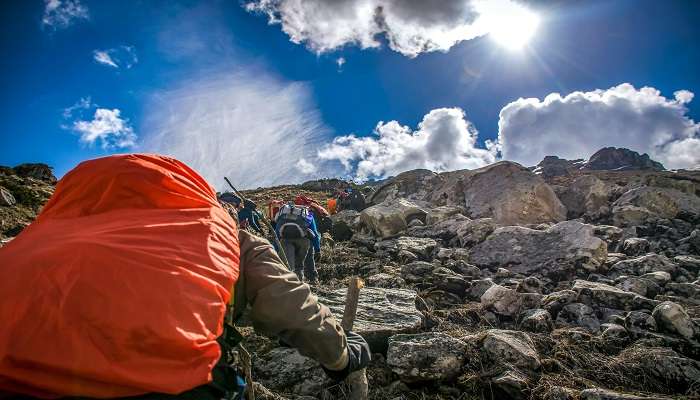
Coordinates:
<point>218,86</point>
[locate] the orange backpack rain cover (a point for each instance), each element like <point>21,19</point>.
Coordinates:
<point>120,286</point>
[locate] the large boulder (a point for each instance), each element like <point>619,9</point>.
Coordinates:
<point>345,224</point>
<point>425,356</point>
<point>639,266</point>
<point>587,196</point>
<point>505,191</point>
<point>390,218</point>
<point>556,252</point>
<point>653,202</point>
<point>381,313</point>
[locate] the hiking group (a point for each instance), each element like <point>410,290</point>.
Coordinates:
<point>128,283</point>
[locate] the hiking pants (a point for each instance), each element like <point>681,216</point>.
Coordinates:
<point>297,251</point>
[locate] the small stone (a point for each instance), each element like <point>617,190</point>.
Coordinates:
<point>602,394</point>
<point>501,300</point>
<point>638,322</point>
<point>514,348</point>
<point>538,321</point>
<point>479,287</point>
<point>578,315</point>
<point>635,246</point>
<point>672,318</point>
<point>658,277</point>
<point>555,301</point>
<point>513,383</point>
<point>6,198</point>
<point>530,285</point>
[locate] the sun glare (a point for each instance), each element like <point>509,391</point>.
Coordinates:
<point>514,30</point>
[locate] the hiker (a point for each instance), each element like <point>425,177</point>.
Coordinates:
<point>322,217</point>
<point>300,240</point>
<point>121,286</point>
<point>248,216</point>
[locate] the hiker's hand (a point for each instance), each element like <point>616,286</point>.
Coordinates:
<point>359,357</point>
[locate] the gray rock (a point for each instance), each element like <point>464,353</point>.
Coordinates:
<point>641,286</point>
<point>426,356</point>
<point>6,198</point>
<point>555,301</point>
<point>512,349</point>
<point>286,369</point>
<point>556,252</point>
<point>390,218</point>
<point>512,383</point>
<point>537,320</point>
<point>639,322</point>
<point>529,301</point>
<point>416,271</point>
<point>690,263</point>
<point>385,280</point>
<point>424,248</point>
<point>635,246</point>
<point>478,288</point>
<point>501,300</point>
<point>603,394</point>
<point>449,281</point>
<point>510,194</point>
<point>665,364</point>
<point>665,203</point>
<point>530,285</point>
<point>442,213</point>
<point>660,278</point>
<point>641,265</point>
<point>578,315</point>
<point>345,224</point>
<point>587,196</point>
<point>475,231</point>
<point>614,333</point>
<point>672,318</point>
<point>689,290</point>
<point>381,313</point>
<point>597,294</point>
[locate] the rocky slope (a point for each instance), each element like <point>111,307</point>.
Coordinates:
<point>509,282</point>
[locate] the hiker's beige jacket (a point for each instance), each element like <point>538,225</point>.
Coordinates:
<point>283,306</point>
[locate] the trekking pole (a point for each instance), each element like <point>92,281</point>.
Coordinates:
<point>357,381</point>
<point>280,249</point>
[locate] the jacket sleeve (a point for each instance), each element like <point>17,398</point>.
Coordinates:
<point>283,306</point>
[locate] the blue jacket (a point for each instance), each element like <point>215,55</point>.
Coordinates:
<point>248,214</point>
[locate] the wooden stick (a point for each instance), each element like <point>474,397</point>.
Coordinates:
<point>357,381</point>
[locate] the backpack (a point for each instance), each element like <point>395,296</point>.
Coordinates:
<point>127,293</point>
<point>292,221</point>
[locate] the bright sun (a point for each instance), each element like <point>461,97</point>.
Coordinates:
<point>514,30</point>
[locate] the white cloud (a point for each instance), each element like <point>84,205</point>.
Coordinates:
<point>62,13</point>
<point>444,141</point>
<point>247,126</point>
<point>84,103</point>
<point>108,128</point>
<point>118,57</point>
<point>305,167</point>
<point>410,27</point>
<point>340,61</point>
<point>580,123</point>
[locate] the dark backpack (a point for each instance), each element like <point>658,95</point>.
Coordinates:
<point>292,221</point>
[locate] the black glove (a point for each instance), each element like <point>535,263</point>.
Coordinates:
<point>359,357</point>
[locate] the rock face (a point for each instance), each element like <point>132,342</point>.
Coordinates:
<point>587,197</point>
<point>620,159</point>
<point>345,223</point>
<point>390,218</point>
<point>510,194</point>
<point>425,356</point>
<point>381,313</point>
<point>557,251</point>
